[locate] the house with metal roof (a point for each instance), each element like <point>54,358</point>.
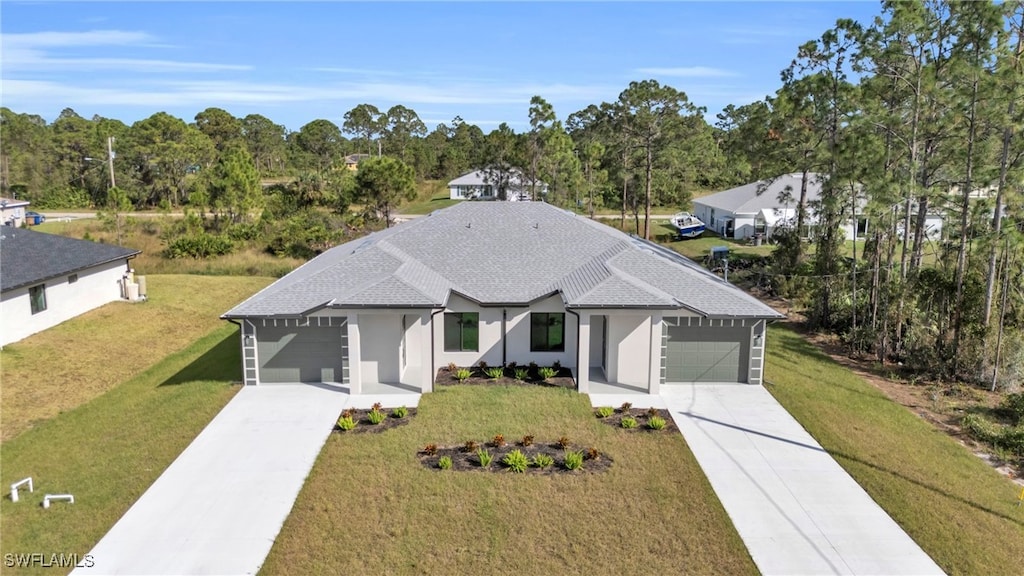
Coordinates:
<point>46,279</point>
<point>501,282</point>
<point>511,185</point>
<point>760,208</point>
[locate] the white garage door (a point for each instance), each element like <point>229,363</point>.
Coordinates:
<point>300,354</point>
<point>702,354</point>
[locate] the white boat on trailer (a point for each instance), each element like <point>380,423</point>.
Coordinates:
<point>688,225</point>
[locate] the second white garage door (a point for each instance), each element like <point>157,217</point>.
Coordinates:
<point>702,354</point>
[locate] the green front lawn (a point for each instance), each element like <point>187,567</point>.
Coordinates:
<point>108,451</point>
<point>430,195</point>
<point>960,511</point>
<point>369,506</point>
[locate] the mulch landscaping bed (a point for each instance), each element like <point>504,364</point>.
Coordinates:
<point>562,379</point>
<point>640,415</point>
<point>364,426</point>
<point>468,461</point>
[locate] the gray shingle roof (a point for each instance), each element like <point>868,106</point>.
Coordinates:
<point>499,253</point>
<point>756,196</point>
<point>29,257</point>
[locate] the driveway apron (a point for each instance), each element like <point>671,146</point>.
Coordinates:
<point>218,508</point>
<point>796,509</point>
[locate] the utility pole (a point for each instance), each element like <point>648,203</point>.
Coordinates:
<point>110,159</point>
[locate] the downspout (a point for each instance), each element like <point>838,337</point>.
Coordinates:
<point>433,349</point>
<point>504,337</point>
<point>577,379</point>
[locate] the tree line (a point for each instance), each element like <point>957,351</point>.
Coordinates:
<point>915,113</point>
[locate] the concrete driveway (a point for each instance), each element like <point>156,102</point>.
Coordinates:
<point>218,508</point>
<point>796,509</point>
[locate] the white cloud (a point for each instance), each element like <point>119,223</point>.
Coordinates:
<point>688,72</point>
<point>34,51</point>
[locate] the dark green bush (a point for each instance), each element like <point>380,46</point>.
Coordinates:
<point>1013,407</point>
<point>199,245</point>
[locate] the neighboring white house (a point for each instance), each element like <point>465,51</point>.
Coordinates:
<point>47,279</point>
<point>12,212</point>
<point>761,207</point>
<point>483,185</point>
<point>501,282</point>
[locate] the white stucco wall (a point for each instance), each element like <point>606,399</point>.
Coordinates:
<point>519,335</point>
<point>13,214</point>
<point>379,336</point>
<point>95,286</point>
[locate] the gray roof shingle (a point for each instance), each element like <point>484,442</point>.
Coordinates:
<point>499,253</point>
<point>28,257</point>
<point>756,196</point>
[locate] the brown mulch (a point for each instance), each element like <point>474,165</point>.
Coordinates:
<point>641,416</point>
<point>468,461</point>
<point>364,426</point>
<point>562,379</point>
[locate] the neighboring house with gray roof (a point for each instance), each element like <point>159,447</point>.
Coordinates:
<point>46,279</point>
<point>12,211</point>
<point>486,184</point>
<point>501,282</point>
<point>762,207</point>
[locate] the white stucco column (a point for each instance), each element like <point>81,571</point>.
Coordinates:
<point>583,354</point>
<point>355,373</point>
<point>654,380</point>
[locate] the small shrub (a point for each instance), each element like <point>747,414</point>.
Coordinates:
<point>470,446</point>
<point>656,423</point>
<point>573,460</point>
<point>377,406</point>
<point>626,407</point>
<point>516,461</point>
<point>628,422</point>
<point>498,441</point>
<point>484,457</point>
<point>512,365</point>
<point>557,365</point>
<point>1013,407</point>
<point>543,460</point>
<point>445,463</point>
<point>533,366</point>
<point>652,411</point>
<point>346,422</point>
<point>521,373</point>
<point>400,412</point>
<point>346,413</point>
<point>462,374</point>
<point>430,449</point>
<point>605,411</point>
<point>452,367</point>
<point>375,416</point>
<point>592,454</point>
<point>494,373</point>
<point>527,440</point>
<point>483,366</point>
<point>563,442</point>
<point>546,372</point>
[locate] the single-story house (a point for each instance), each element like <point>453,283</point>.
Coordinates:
<point>756,208</point>
<point>12,212</point>
<point>501,282</point>
<point>46,279</point>
<point>483,185</point>
<point>352,160</point>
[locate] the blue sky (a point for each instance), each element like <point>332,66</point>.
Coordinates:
<point>296,62</point>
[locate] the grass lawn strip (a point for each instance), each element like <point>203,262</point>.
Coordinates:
<point>370,505</point>
<point>958,509</point>
<point>108,451</point>
<point>58,369</point>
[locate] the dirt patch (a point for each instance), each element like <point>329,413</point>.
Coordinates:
<point>365,426</point>
<point>594,461</point>
<point>562,379</point>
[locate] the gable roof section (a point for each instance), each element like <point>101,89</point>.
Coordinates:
<point>28,257</point>
<point>499,253</point>
<point>756,196</point>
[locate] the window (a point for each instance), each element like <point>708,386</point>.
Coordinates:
<point>461,331</point>
<point>37,296</point>
<point>547,332</point>
<point>72,278</point>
